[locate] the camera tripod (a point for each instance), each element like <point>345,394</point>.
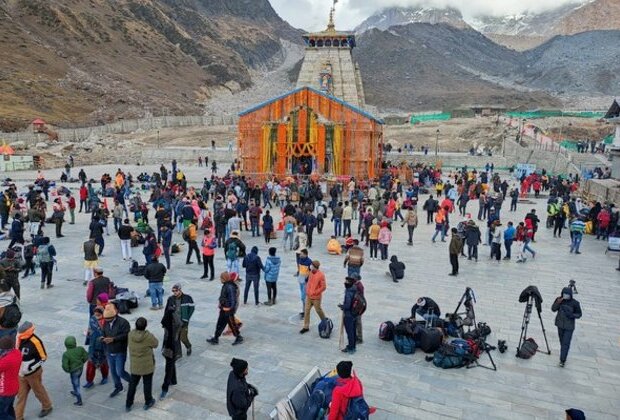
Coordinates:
<point>526,321</point>
<point>470,315</point>
<point>485,348</point>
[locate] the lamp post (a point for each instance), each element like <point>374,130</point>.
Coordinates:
<point>158,138</point>
<point>436,142</point>
<point>504,143</point>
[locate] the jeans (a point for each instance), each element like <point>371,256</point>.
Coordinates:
<point>255,226</point>
<point>289,237</point>
<point>75,383</point>
<point>117,223</point>
<point>126,248</point>
<point>272,291</point>
<point>508,245</point>
<point>373,248</point>
<point>565,338</point>
<point>337,227</point>
<point>46,272</point>
<point>410,230</point>
<point>232,266</point>
<point>439,230</point>
<point>352,271</point>
<point>6,408</point>
<point>576,242</point>
<point>133,385</point>
<point>496,250</point>
<point>248,282</point>
<point>347,227</point>
<point>384,251</point>
<point>526,247</point>
<point>166,253</point>
<point>156,291</point>
<point>513,206</point>
<point>302,294</point>
<point>429,217</point>
<point>472,252</point>
<point>350,328</point>
<point>116,361</point>
<point>99,241</point>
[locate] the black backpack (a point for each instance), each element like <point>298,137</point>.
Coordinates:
<point>528,349</point>
<point>11,316</point>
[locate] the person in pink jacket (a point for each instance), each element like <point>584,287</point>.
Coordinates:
<point>385,237</point>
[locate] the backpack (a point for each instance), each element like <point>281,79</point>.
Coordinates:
<point>357,409</point>
<point>29,251</point>
<point>11,315</point>
<point>404,344</point>
<point>359,304</point>
<point>44,253</point>
<point>289,228</point>
<point>449,356</point>
<point>232,251</point>
<point>386,331</point>
<point>185,234</point>
<point>430,339</point>
<point>129,297</point>
<point>528,349</point>
<point>325,328</point>
<point>320,398</point>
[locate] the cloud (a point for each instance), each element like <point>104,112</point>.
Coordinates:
<point>313,14</point>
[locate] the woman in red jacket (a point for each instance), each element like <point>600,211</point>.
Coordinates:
<point>10,362</point>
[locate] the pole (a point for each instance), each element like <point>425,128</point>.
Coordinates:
<point>437,143</point>
<point>158,139</point>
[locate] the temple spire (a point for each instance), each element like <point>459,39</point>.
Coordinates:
<point>331,27</point>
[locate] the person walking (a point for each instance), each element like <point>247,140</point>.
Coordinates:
<point>98,285</point>
<point>411,220</point>
<point>349,319</point>
<point>17,231</point>
<point>509,237</point>
<point>115,332</point>
<point>124,234</point>
<point>141,363</point>
<point>315,287</point>
<point>183,306</point>
<point>304,264</point>
<point>191,235</point>
<point>10,268</point>
<point>31,371</point>
<point>239,394</point>
<point>171,348</point>
<point>234,249</point>
<point>96,349</point>
<point>384,239</point>
<point>73,360</point>
<point>10,362</point>
<point>228,303</point>
<point>209,245</point>
<point>568,310</point>
<point>155,273</point>
<point>430,205</point>
<point>253,266</point>
<point>272,272</point>
<point>45,255</point>
<point>577,229</point>
<point>267,226</point>
<point>166,242</point>
<point>455,248</point>
<point>289,224</point>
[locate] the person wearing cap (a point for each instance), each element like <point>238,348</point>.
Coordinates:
<point>348,386</point>
<point>183,306</point>
<point>239,394</point>
<point>115,332</point>
<point>427,308</point>
<point>10,267</point>
<point>31,371</point>
<point>568,310</point>
<point>10,362</point>
<point>96,349</point>
<point>315,287</point>
<point>228,303</point>
<point>349,319</point>
<point>98,285</point>
<point>141,363</point>
<point>575,414</point>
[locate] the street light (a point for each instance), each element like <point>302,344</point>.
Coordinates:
<point>504,143</point>
<point>437,142</point>
<point>158,138</point>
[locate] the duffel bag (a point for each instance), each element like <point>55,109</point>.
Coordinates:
<point>449,357</point>
<point>430,340</point>
<point>404,344</point>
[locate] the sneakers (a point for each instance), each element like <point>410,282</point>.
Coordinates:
<point>304,330</point>
<point>348,350</point>
<point>163,395</point>
<point>149,405</point>
<point>88,385</point>
<point>45,412</point>
<point>116,392</point>
<point>213,341</point>
<point>103,381</point>
<point>238,340</point>
<point>561,364</point>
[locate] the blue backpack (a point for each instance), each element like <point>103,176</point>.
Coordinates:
<point>357,409</point>
<point>404,344</point>
<point>325,328</point>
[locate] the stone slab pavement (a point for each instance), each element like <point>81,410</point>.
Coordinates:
<point>401,386</point>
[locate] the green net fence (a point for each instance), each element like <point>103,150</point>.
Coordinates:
<point>418,118</point>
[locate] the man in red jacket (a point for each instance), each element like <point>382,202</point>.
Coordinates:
<point>10,362</point>
<point>347,387</point>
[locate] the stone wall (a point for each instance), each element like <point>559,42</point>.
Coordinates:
<point>603,190</point>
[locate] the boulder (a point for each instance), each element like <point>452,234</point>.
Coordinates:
<point>18,145</point>
<point>42,145</point>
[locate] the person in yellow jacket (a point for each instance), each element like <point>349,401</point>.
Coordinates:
<point>192,244</point>
<point>373,237</point>
<point>334,247</point>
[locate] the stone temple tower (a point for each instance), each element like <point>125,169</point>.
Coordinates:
<point>328,64</point>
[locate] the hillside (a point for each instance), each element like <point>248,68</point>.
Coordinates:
<point>397,16</point>
<point>89,61</point>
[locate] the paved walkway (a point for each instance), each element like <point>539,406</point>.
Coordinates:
<point>401,386</point>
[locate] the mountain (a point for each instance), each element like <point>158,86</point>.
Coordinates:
<point>424,66</point>
<point>93,60</point>
<point>396,16</point>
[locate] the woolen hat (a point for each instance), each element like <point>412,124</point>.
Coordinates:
<point>316,263</point>
<point>25,327</point>
<point>344,369</point>
<point>177,286</point>
<point>576,414</point>
<point>239,366</point>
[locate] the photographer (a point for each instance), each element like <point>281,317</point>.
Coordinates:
<point>239,394</point>
<point>427,308</point>
<point>568,310</point>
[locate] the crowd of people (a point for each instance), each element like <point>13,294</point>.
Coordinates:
<point>210,219</point>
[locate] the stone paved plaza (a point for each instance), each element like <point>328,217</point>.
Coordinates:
<point>401,386</point>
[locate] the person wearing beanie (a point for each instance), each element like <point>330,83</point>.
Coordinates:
<point>73,360</point>
<point>315,287</point>
<point>575,414</point>
<point>228,303</point>
<point>568,310</point>
<point>10,362</point>
<point>272,271</point>
<point>115,332</point>
<point>141,363</point>
<point>253,266</point>
<point>239,394</point>
<point>183,306</point>
<point>454,249</point>
<point>96,348</point>
<point>31,371</point>
<point>348,386</point>
<point>349,319</point>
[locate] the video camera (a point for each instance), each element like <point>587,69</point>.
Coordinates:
<point>533,293</point>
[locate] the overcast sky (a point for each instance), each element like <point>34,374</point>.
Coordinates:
<point>313,14</point>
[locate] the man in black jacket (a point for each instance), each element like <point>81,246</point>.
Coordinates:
<point>228,303</point>
<point>239,394</point>
<point>430,205</point>
<point>115,332</point>
<point>154,273</point>
<point>397,269</point>
<point>568,310</point>
<point>427,308</point>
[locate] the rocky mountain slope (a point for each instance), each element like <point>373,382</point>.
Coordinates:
<point>396,16</point>
<point>94,60</point>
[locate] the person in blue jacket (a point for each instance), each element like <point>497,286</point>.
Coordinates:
<point>349,318</point>
<point>272,271</point>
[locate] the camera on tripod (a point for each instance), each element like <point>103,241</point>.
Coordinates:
<point>571,284</point>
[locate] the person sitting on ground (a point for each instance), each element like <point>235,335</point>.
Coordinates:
<point>397,269</point>
<point>334,247</point>
<point>427,308</point>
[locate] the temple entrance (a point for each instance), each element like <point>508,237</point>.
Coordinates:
<point>302,165</point>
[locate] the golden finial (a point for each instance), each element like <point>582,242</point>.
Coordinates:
<point>331,26</point>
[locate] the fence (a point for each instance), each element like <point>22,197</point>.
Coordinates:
<point>554,113</point>
<point>418,118</point>
<point>122,126</point>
